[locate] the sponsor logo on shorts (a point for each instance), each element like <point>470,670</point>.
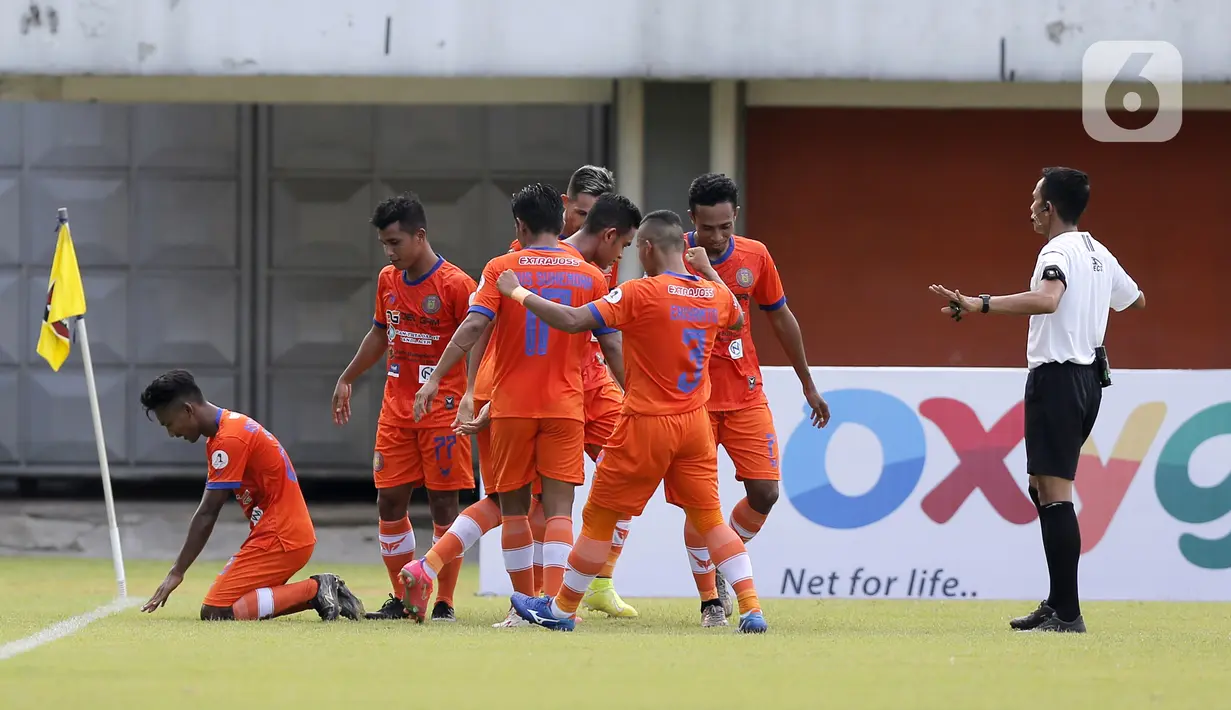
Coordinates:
<point>743,277</point>
<point>431,304</point>
<point>378,462</point>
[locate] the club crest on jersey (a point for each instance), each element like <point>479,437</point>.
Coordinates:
<point>378,462</point>
<point>743,277</point>
<point>431,304</point>
<point>449,401</point>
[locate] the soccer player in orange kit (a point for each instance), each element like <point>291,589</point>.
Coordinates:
<point>247,462</point>
<point>603,396</point>
<point>738,408</point>
<point>420,300</point>
<point>670,320</point>
<point>537,415</point>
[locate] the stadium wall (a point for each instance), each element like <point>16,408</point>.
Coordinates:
<point>867,192</point>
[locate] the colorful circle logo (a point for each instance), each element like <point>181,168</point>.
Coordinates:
<point>806,480</point>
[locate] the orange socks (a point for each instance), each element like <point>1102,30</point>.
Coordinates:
<point>586,559</point>
<point>397,548</point>
<point>617,546</point>
<point>538,529</point>
<point>268,602</point>
<point>518,545</point>
<point>557,544</point>
<point>728,554</point>
<point>472,524</point>
<point>447,579</point>
<point>745,521</point>
<point>699,560</point>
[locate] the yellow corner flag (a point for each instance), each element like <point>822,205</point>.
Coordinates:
<point>65,300</point>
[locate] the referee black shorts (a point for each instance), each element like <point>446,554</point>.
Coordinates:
<point>1062,401</point>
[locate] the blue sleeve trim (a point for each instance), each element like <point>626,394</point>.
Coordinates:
<point>378,324</point>
<point>775,305</point>
<point>598,317</point>
<point>222,485</point>
<point>491,315</point>
<point>603,331</point>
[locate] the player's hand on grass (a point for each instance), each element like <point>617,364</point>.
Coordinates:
<point>341,403</point>
<point>508,282</point>
<point>476,425</point>
<point>818,405</point>
<point>425,395</point>
<point>164,590</point>
<point>965,304</point>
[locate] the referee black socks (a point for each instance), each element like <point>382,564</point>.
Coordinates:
<point>1062,545</point>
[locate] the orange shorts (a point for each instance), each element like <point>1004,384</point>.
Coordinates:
<point>645,450</point>
<point>260,562</point>
<point>524,449</point>
<point>749,439</point>
<point>603,406</point>
<point>435,458</point>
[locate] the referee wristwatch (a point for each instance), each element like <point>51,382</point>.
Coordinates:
<point>987,302</point>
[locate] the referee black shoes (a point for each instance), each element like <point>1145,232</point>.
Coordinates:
<point>1034,618</point>
<point>1055,623</point>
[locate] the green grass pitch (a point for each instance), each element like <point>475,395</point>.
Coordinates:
<point>818,654</point>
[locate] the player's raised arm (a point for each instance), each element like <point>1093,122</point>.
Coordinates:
<point>700,261</point>
<point>569,319</point>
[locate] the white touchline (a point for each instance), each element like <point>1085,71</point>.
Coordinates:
<point>68,627</point>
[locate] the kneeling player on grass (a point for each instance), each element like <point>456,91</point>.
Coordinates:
<point>246,461</point>
<point>670,321</point>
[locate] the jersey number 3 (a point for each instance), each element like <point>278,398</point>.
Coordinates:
<point>694,340</point>
<point>536,330</point>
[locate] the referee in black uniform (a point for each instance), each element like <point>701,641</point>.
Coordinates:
<point>1076,280</point>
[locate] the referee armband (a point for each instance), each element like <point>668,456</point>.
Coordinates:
<point>1053,273</point>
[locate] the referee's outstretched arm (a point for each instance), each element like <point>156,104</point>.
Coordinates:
<point>1076,281</point>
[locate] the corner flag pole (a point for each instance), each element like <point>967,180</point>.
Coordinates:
<point>117,557</point>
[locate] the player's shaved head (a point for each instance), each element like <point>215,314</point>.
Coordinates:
<point>664,230</point>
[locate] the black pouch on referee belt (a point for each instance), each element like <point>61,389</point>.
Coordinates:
<point>1104,369</point>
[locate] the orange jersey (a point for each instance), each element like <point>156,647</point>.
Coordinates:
<point>536,369</point>
<point>670,323</point>
<point>244,457</point>
<point>748,270</point>
<point>419,318</point>
<point>594,373</point>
